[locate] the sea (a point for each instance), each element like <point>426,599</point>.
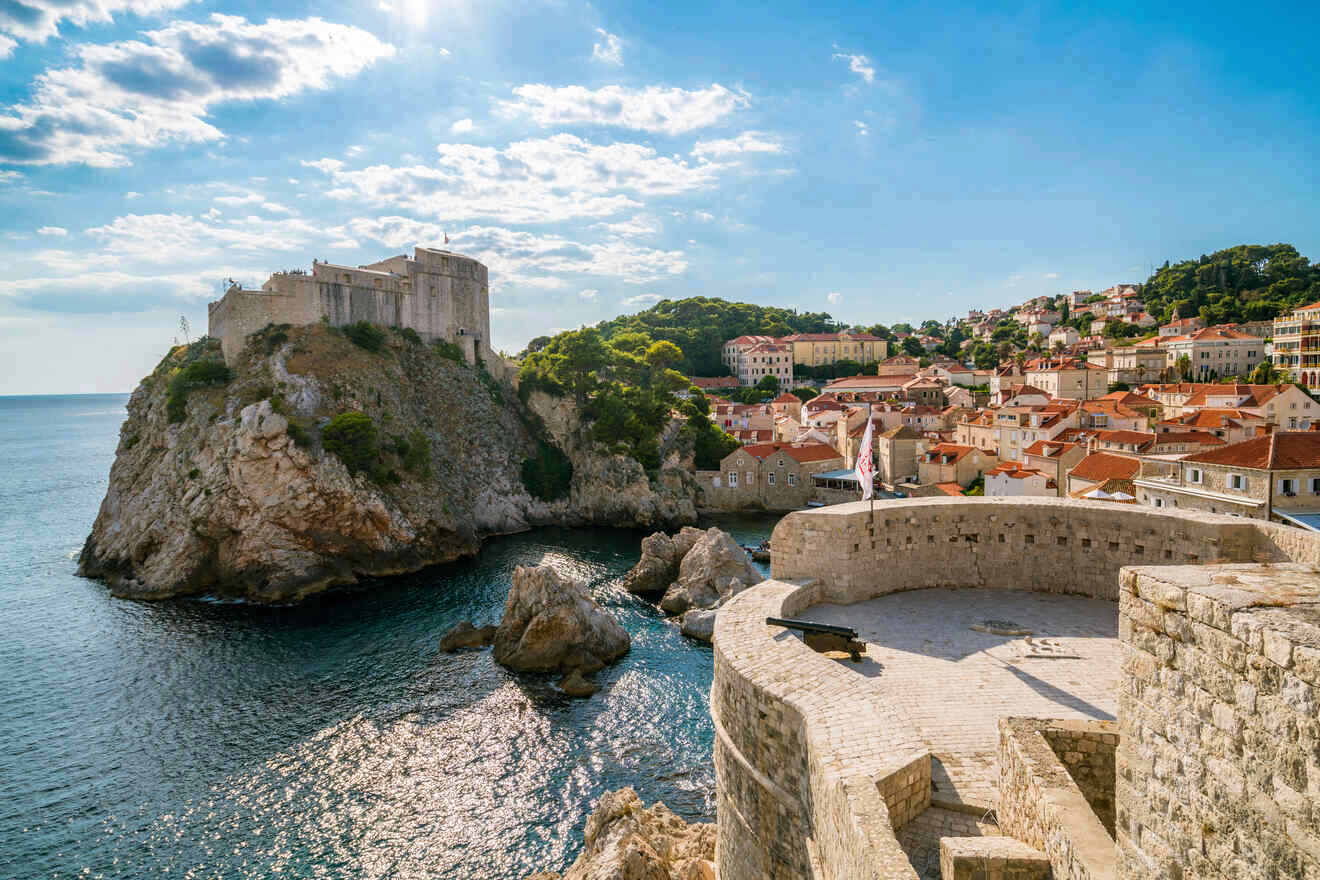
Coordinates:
<point>206,739</point>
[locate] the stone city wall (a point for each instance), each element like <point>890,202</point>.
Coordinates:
<point>1041,802</point>
<point>808,761</point>
<point>1219,760</point>
<point>1087,750</point>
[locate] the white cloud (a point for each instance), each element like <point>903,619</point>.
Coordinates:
<point>36,20</point>
<point>10,176</point>
<point>703,216</point>
<point>355,150</point>
<point>655,109</point>
<point>835,298</point>
<point>462,126</point>
<point>529,259</point>
<point>252,198</point>
<point>747,142</point>
<point>589,294</point>
<point>1052,275</point>
<point>533,181</point>
<point>132,195</point>
<point>858,64</point>
<point>610,51</point>
<point>135,94</point>
<point>643,299</point>
<point>6,46</point>
<point>53,231</point>
<point>639,226</point>
<point>862,128</point>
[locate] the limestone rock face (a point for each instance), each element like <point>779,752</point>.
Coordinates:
<point>714,570</point>
<point>465,635</point>
<point>551,624</point>
<point>240,499</point>
<point>661,555</point>
<point>699,623</point>
<point>624,840</point>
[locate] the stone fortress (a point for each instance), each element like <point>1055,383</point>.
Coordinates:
<point>1051,688</point>
<point>440,294</point>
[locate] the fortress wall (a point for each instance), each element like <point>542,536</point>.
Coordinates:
<point>1219,758</point>
<point>242,312</point>
<point>1046,544</point>
<point>438,295</point>
<point>814,772</point>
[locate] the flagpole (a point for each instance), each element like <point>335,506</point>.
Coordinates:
<point>872,477</point>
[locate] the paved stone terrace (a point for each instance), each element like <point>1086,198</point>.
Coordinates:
<point>920,838</point>
<point>954,683</point>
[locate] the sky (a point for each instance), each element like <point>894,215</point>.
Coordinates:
<point>882,162</point>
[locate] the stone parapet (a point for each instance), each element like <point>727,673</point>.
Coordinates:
<point>991,858</point>
<point>1041,803</point>
<point>815,770</point>
<point>1219,758</point>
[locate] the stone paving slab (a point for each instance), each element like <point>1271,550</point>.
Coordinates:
<point>920,838</point>
<point>954,682</point>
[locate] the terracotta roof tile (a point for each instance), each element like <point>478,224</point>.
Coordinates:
<point>1100,466</point>
<point>1282,449</point>
<point>805,452</point>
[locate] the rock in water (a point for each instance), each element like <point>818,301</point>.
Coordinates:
<point>575,684</point>
<point>551,624</point>
<point>699,623</point>
<point>715,569</point>
<point>465,635</point>
<point>661,555</point>
<point>625,841</point>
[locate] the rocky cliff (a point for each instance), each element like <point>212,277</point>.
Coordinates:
<point>222,483</point>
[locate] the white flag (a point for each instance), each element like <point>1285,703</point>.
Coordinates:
<point>865,470</point>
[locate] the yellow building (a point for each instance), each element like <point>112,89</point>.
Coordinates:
<point>819,349</point>
<point>1297,344</point>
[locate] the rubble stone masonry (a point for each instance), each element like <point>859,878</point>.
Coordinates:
<point>1218,762</point>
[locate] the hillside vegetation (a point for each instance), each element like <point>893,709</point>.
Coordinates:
<point>700,325</point>
<point>1249,282</point>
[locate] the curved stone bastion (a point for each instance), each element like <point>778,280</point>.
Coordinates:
<point>824,765</point>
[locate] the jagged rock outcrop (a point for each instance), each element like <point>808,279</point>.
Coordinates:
<point>714,570</point>
<point>229,491</point>
<point>624,840</point>
<point>465,635</point>
<point>661,555</point>
<point>551,624</point>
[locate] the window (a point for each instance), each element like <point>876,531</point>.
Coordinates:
<point>781,462</point>
<point>1287,487</point>
<point>1159,502</point>
<point>1315,485</point>
<point>751,478</point>
<point>1193,475</point>
<point>792,480</point>
<point>733,479</point>
<point>770,479</point>
<point>1237,481</point>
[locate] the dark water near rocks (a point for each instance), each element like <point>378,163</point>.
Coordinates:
<point>204,740</point>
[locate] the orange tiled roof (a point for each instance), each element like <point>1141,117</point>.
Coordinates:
<point>802,453</point>
<point>1282,449</point>
<point>1100,466</point>
<point>949,488</point>
<point>1049,448</point>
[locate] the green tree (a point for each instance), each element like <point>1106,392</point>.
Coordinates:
<point>805,394</point>
<point>768,384</point>
<point>352,436</point>
<point>578,354</point>
<point>912,346</point>
<point>1184,367</point>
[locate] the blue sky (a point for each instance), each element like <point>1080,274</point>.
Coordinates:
<point>884,163</point>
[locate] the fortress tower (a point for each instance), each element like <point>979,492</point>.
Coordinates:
<point>440,294</point>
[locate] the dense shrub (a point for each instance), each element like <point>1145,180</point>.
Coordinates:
<point>365,335</point>
<point>411,335</point>
<point>352,437</point>
<point>449,350</point>
<point>298,434</point>
<point>549,474</point>
<point>198,374</point>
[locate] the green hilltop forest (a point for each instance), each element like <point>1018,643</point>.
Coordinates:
<point>700,325</point>
<point>1249,282</point>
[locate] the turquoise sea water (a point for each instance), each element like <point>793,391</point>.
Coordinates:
<point>203,740</point>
